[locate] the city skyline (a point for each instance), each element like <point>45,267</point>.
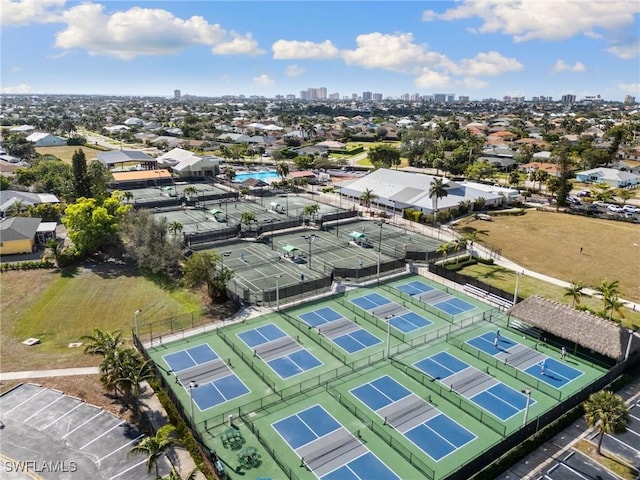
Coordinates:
<point>213,48</point>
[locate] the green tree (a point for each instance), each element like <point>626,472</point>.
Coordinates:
<point>99,177</point>
<point>606,412</point>
<point>480,171</point>
<point>283,169</point>
<point>19,146</point>
<point>230,174</point>
<point>625,195</point>
<point>610,292</point>
<point>81,180</point>
<point>206,268</point>
<point>575,291</point>
<point>384,156</point>
<point>311,210</point>
<point>155,446</point>
<point>5,183</point>
<point>247,218</point>
<point>437,190</point>
<point>602,191</point>
<point>367,197</point>
<point>92,224</point>
<point>102,343</point>
<point>515,178</point>
<point>443,250</point>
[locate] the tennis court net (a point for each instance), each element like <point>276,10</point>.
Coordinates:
<point>277,348</point>
<point>338,327</point>
<point>204,373</point>
<point>475,381</point>
<point>410,416</point>
<point>526,358</point>
<point>343,446</point>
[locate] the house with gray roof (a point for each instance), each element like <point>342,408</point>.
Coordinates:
<point>131,159</point>
<point>611,176</point>
<point>43,139</point>
<point>18,235</point>
<point>8,198</point>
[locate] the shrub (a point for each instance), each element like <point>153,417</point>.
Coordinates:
<point>33,265</point>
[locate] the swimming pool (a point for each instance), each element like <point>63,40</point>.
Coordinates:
<point>266,176</point>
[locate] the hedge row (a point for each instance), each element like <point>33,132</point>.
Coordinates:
<point>508,213</point>
<point>32,265</point>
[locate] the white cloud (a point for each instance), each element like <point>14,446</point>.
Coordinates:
<point>545,20</point>
<point>626,50</point>
<point>430,79</point>
<point>470,83</point>
<point>292,49</point>
<point>23,12</point>
<point>630,88</point>
<point>294,71</point>
<point>562,66</point>
<point>390,52</point>
<point>17,89</point>
<point>489,64</point>
<point>146,31</point>
<point>15,69</point>
<point>263,80</point>
<point>239,45</point>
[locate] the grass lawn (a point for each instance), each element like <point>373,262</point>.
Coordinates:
<point>550,242</point>
<point>506,280</point>
<point>615,465</point>
<point>59,309</point>
<point>65,153</point>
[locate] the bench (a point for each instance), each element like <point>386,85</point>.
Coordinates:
<point>475,290</point>
<point>502,302</point>
<point>521,327</point>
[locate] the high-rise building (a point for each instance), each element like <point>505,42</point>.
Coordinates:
<point>367,96</point>
<point>451,97</point>
<point>629,100</point>
<point>377,97</point>
<point>177,94</point>
<point>463,98</point>
<point>568,99</point>
<point>439,97</point>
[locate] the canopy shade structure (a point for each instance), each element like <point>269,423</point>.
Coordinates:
<point>357,235</point>
<point>289,248</point>
<point>214,211</point>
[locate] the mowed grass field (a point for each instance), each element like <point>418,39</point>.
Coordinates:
<point>65,153</point>
<point>59,309</point>
<point>550,242</point>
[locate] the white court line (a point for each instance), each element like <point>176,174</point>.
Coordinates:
<point>63,415</point>
<point>120,448</point>
<point>22,403</point>
<point>624,443</point>
<point>101,435</point>
<point>128,469</point>
<point>43,408</point>
<point>82,424</point>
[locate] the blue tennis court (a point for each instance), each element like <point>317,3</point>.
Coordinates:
<point>190,357</point>
<point>522,357</point>
<point>328,449</point>
<point>409,322</point>
<point>495,397</point>
<point>370,301</point>
<point>346,334</point>
<point>218,391</point>
<point>414,288</point>
<point>454,306</point>
<point>260,335</point>
<point>426,426</point>
<point>294,363</point>
<point>282,353</point>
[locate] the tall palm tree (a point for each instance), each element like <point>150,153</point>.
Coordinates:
<point>610,296</point>
<point>102,343</point>
<point>575,292</point>
<point>367,197</point>
<point>443,249</point>
<point>230,174</point>
<point>457,245</point>
<point>437,190</point>
<point>175,228</point>
<point>154,446</point>
<point>175,475</point>
<point>471,237</point>
<point>606,412</point>
<point>282,169</point>
<point>311,210</point>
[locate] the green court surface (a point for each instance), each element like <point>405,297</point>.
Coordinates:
<point>453,387</point>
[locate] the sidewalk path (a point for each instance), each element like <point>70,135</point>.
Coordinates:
<point>61,372</point>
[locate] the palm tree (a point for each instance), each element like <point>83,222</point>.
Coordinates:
<point>230,174</point>
<point>134,373</point>
<point>154,446</point>
<point>367,197</point>
<point>54,246</point>
<point>189,191</point>
<point>127,196</point>
<point>457,245</point>
<point>114,369</point>
<point>471,237</point>
<point>606,412</point>
<point>610,296</point>
<point>575,292</point>
<point>437,190</point>
<point>283,169</point>
<point>175,228</point>
<point>443,250</point>
<point>103,343</point>
<point>175,475</point>
<point>311,210</point>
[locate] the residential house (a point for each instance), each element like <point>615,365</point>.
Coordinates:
<point>8,198</point>
<point>18,235</point>
<point>611,176</point>
<point>187,164</point>
<point>42,139</point>
<point>127,160</point>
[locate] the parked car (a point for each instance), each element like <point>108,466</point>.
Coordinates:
<point>600,203</point>
<point>615,209</point>
<point>584,193</point>
<point>631,208</point>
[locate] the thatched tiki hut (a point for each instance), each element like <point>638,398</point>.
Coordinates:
<point>581,328</point>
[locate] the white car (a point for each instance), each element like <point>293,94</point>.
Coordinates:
<point>631,208</point>
<point>615,209</point>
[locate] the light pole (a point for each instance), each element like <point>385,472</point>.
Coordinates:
<point>389,334</point>
<point>515,294</point>
<point>379,250</point>
<point>309,240</point>
<point>135,318</point>
<point>192,385</point>
<point>278,292</point>
<point>526,391</point>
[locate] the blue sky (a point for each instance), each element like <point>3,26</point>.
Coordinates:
<point>479,48</point>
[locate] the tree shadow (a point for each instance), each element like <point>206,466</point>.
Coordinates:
<point>496,272</point>
<point>69,272</point>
